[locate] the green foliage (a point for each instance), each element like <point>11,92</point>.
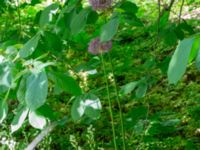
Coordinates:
<point>65,83</point>
<point>47,14</point>
<point>36,90</point>
<point>29,47</point>
<point>6,77</point>
<point>87,104</point>
<point>3,110</point>
<point>179,61</point>
<point>36,120</point>
<point>19,118</point>
<point>109,30</point>
<point>79,21</point>
<point>116,100</point>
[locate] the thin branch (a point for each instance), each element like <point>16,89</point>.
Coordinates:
<point>180,12</point>
<point>159,15</point>
<point>41,136</point>
<point>171,4</point>
<point>167,8</point>
<point>19,18</point>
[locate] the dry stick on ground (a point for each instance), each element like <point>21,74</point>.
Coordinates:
<point>41,136</point>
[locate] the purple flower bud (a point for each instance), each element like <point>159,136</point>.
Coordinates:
<point>100,4</point>
<point>96,47</point>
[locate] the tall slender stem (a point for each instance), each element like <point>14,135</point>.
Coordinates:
<point>109,101</point>
<point>119,104</point>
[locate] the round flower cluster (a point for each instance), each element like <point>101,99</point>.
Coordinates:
<point>97,47</point>
<point>100,4</point>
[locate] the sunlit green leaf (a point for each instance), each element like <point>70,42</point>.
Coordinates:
<point>29,47</point>
<point>47,14</point>
<point>6,78</point>
<point>195,49</point>
<point>36,120</point>
<point>87,104</point>
<point>3,110</point>
<point>179,60</point>
<point>65,83</point>
<point>141,90</point>
<point>36,90</point>
<point>109,29</point>
<point>19,119</point>
<point>164,19</point>
<point>128,88</point>
<point>129,7</point>
<point>79,21</point>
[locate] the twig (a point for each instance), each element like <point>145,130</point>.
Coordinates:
<point>167,8</point>
<point>159,15</point>
<point>180,12</point>
<point>19,18</point>
<point>41,136</point>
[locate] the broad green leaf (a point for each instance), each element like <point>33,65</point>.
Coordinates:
<point>92,17</point>
<point>134,115</point>
<point>21,90</point>
<point>179,60</point>
<point>19,119</point>
<point>128,88</point>
<point>141,90</point>
<point>65,10</point>
<point>93,107</point>
<point>38,66</point>
<point>197,61</point>
<point>77,109</point>
<point>3,110</point>
<point>47,14</point>
<point>179,32</point>
<point>29,47</point>
<point>46,111</point>
<point>5,75</point>
<point>129,7</point>
<point>79,21</point>
<point>195,49</point>
<point>171,122</point>
<point>36,121</point>
<point>109,29</point>
<point>163,128</point>
<point>87,104</point>
<point>65,83</point>
<point>164,19</point>
<point>169,36</point>
<point>164,65</point>
<point>36,90</point>
<point>52,42</point>
<point>133,20</point>
<point>187,28</point>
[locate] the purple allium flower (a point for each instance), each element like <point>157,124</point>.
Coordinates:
<point>100,4</point>
<point>96,47</point>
